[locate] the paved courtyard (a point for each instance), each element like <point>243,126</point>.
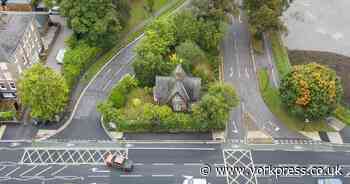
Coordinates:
<point>321,25</point>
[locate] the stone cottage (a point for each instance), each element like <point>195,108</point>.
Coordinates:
<point>178,91</point>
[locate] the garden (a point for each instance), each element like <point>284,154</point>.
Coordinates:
<point>191,39</point>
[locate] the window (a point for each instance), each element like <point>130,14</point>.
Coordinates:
<point>3,66</point>
<point>2,86</point>
<point>12,85</point>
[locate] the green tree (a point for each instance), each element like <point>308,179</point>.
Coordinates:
<point>149,7</point>
<point>214,9</point>
<point>264,15</point>
<point>96,21</point>
<point>187,26</point>
<point>214,108</point>
<point>44,91</point>
<point>211,35</point>
<point>148,67</point>
<point>191,55</point>
<point>311,91</point>
<point>119,93</point>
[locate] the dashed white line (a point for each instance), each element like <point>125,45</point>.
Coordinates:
<point>138,164</point>
<point>44,170</point>
<point>162,175</point>
<point>131,176</point>
<point>2,167</point>
<point>193,164</point>
<point>98,176</point>
<point>14,170</point>
<point>162,164</point>
<point>59,170</point>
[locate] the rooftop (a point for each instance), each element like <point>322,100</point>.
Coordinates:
<point>12,28</point>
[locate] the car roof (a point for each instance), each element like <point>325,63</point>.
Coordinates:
<point>329,181</point>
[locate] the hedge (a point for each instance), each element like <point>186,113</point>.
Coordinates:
<point>7,116</point>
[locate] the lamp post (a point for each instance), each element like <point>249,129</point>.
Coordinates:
<point>306,122</point>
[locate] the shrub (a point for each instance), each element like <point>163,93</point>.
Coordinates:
<point>76,60</point>
<point>123,88</point>
<point>191,55</point>
<point>7,116</point>
<point>311,91</point>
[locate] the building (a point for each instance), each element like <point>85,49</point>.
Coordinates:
<point>16,5</point>
<point>20,48</point>
<point>177,91</point>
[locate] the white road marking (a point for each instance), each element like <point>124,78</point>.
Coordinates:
<point>162,148</point>
<point>162,164</point>
<point>193,164</point>
<point>131,176</point>
<point>107,84</point>
<point>44,170</point>
<point>2,167</point>
<point>234,130</point>
<point>239,19</point>
<point>247,73</point>
<point>253,58</point>
<point>162,175</point>
<point>14,170</point>
<point>98,176</point>
<point>27,171</point>
<point>59,170</point>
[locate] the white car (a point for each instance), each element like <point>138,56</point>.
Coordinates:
<point>191,180</point>
<point>329,181</point>
<point>60,56</point>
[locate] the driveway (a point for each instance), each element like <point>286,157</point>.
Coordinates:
<point>64,33</point>
<point>321,25</point>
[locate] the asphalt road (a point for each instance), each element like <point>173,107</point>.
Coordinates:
<point>160,164</point>
<point>240,69</point>
<point>85,124</point>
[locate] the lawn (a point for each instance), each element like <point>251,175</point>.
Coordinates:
<point>273,101</point>
<point>138,14</point>
<point>280,54</point>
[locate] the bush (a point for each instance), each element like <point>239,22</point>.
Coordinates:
<point>191,55</point>
<point>311,91</point>
<point>7,116</point>
<point>76,60</point>
<point>343,114</point>
<point>123,88</point>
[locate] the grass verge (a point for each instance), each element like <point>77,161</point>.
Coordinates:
<point>273,101</point>
<point>343,114</point>
<point>280,54</point>
<point>94,68</point>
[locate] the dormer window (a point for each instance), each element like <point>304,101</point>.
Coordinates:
<point>2,86</point>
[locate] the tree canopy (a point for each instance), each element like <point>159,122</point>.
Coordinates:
<point>264,15</point>
<point>311,91</point>
<point>44,91</point>
<point>98,22</point>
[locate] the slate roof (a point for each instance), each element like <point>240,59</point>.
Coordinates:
<point>12,28</point>
<point>188,87</point>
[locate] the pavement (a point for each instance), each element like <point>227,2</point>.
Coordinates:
<point>318,25</point>
<point>64,33</point>
<point>240,69</point>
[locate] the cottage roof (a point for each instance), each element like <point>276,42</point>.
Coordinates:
<point>187,87</point>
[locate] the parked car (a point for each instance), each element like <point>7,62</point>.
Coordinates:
<point>192,180</point>
<point>119,162</point>
<point>329,181</point>
<point>60,56</point>
<point>54,10</point>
